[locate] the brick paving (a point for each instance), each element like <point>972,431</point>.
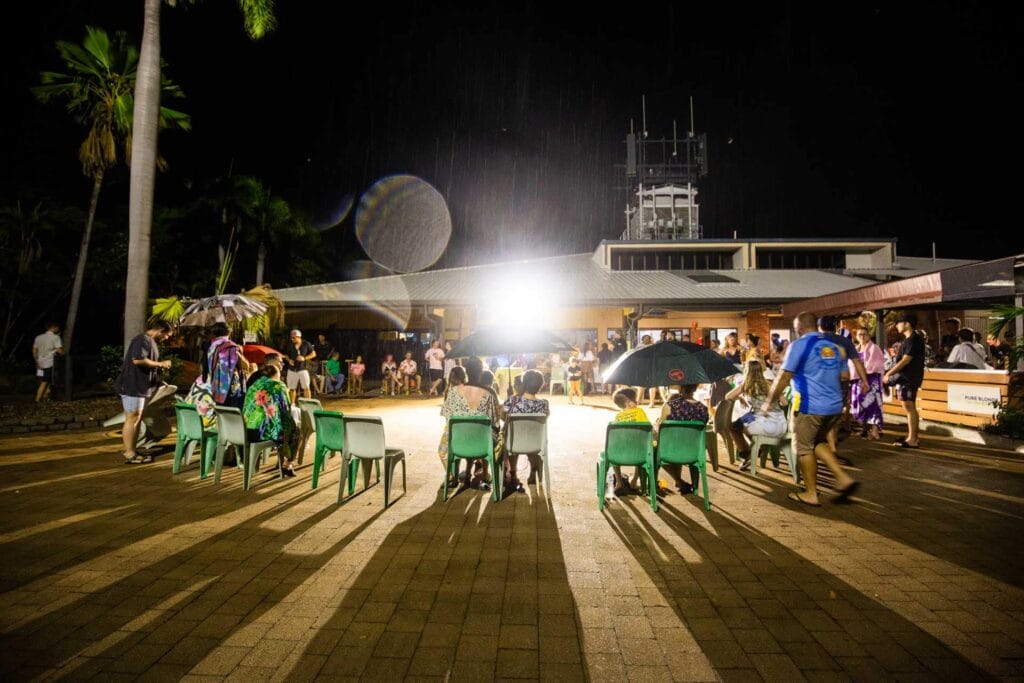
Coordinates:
<point>118,572</point>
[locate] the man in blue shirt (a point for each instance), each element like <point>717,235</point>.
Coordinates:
<point>814,364</point>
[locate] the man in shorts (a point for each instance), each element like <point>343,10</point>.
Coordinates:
<point>910,367</point>
<point>814,363</point>
<point>301,357</point>
<point>138,379</point>
<point>435,366</point>
<point>43,349</point>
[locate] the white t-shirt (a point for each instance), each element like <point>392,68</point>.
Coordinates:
<point>969,353</point>
<point>45,346</point>
<point>435,357</point>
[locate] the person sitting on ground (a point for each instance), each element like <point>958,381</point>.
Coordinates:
<point>967,352</point>
<point>683,406</point>
<point>629,411</point>
<point>333,376</point>
<point>267,412</point>
<point>356,371</point>
<point>407,371</point>
<point>574,374</point>
<point>389,376</point>
<point>524,401</point>
<point>752,392</point>
<point>464,398</point>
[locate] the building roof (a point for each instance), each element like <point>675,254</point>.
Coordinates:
<point>574,280</point>
<point>910,266</point>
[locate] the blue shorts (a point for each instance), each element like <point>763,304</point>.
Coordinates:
<point>133,404</point>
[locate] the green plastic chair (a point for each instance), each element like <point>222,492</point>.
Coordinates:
<point>231,432</point>
<point>683,443</point>
<point>364,441</point>
<point>629,443</point>
<point>307,425</point>
<point>190,435</point>
<point>330,439</point>
<point>470,438</point>
<point>528,435</point>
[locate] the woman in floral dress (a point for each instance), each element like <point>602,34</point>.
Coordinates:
<point>268,415</point>
<point>463,399</point>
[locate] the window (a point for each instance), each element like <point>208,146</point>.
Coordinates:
<point>769,259</point>
<point>650,259</point>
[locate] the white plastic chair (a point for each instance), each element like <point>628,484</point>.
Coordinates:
<point>364,440</point>
<point>307,425</point>
<point>231,432</point>
<point>557,377</point>
<point>528,435</point>
<point>723,423</point>
<point>782,443</point>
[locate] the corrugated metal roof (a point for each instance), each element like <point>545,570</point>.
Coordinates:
<point>911,266</point>
<point>571,280</point>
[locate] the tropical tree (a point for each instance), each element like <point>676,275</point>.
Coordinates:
<point>273,221</point>
<point>259,20</point>
<point>97,89</point>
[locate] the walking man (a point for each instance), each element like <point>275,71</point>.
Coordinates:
<point>138,379</point>
<point>907,375</point>
<point>814,364</point>
<point>43,349</point>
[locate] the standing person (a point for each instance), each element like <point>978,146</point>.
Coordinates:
<point>827,324</point>
<point>618,344</point>
<point>588,363</point>
<point>449,363</point>
<point>907,375</point>
<point>814,363</point>
<point>300,355</point>
<point>137,381</point>
<point>43,349</point>
<point>408,372</point>
<point>605,358</point>
<point>435,366</point>
<point>574,374</point>
<point>951,338</point>
<point>867,406</point>
<point>732,351</point>
<point>226,367</point>
<point>323,350</point>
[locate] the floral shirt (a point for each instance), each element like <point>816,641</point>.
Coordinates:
<point>408,367</point>
<point>268,410</point>
<point>522,405</point>
<point>681,409</point>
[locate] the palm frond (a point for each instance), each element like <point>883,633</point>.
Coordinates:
<point>168,309</point>
<point>258,16</point>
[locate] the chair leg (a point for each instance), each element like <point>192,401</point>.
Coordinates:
<point>179,449</point>
<point>388,471</point>
<point>547,474</point>
<point>602,474</point>
<point>652,484</point>
<point>495,485</point>
<point>711,447</point>
<point>353,468</point>
<point>344,479</point>
<point>318,459</point>
<point>209,452</point>
<point>704,483</point>
<point>219,462</point>
<point>755,450</point>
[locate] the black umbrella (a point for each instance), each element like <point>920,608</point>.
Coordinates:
<point>508,341</point>
<point>669,362</point>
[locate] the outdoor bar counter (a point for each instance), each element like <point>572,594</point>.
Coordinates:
<point>964,397</point>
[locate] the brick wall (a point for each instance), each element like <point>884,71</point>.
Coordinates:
<point>757,323</point>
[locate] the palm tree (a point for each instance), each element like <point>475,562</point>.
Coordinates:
<point>259,20</point>
<point>272,219</point>
<point>97,90</point>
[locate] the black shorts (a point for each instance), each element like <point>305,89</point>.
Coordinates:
<point>435,374</point>
<point>47,375</point>
<point>905,392</point>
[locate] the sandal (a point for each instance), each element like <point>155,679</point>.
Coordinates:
<point>904,444</point>
<point>796,497</point>
<point>843,495</point>
<point>139,459</point>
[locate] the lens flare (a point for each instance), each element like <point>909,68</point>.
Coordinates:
<point>338,214</point>
<point>403,223</point>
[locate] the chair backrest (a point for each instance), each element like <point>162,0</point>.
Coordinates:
<point>557,372</point>
<point>527,433</point>
<point>364,436</point>
<point>470,437</point>
<point>307,406</point>
<point>682,442</point>
<point>723,416</point>
<point>628,443</point>
<point>230,425</point>
<point>330,429</point>
<point>190,424</point>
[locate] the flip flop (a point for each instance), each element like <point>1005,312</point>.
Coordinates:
<point>140,459</point>
<point>904,444</point>
<point>796,497</point>
<point>844,495</point>
<point>899,442</point>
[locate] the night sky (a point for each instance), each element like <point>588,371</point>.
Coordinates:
<point>821,120</point>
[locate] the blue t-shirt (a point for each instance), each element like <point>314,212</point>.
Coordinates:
<point>816,362</point>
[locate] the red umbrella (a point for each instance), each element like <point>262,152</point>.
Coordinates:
<point>255,353</point>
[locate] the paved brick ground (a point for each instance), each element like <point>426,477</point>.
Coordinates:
<point>109,571</point>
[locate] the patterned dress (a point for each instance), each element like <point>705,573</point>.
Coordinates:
<point>226,381</point>
<point>455,405</point>
<point>866,407</point>
<point>267,412</point>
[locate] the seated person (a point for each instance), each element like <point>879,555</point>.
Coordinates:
<point>389,376</point>
<point>407,371</point>
<point>355,375</point>
<point>274,359</point>
<point>524,401</point>
<point>683,406</point>
<point>629,411</point>
<point>464,397</point>
<point>752,392</point>
<point>967,351</point>
<point>333,378</point>
<point>268,416</point>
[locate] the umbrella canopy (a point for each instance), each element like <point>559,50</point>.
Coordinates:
<point>669,362</point>
<point>223,308</point>
<point>255,353</point>
<point>506,341</point>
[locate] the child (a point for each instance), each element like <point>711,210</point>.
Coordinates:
<point>334,378</point>
<point>629,411</point>
<point>355,372</point>
<point>575,376</point>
